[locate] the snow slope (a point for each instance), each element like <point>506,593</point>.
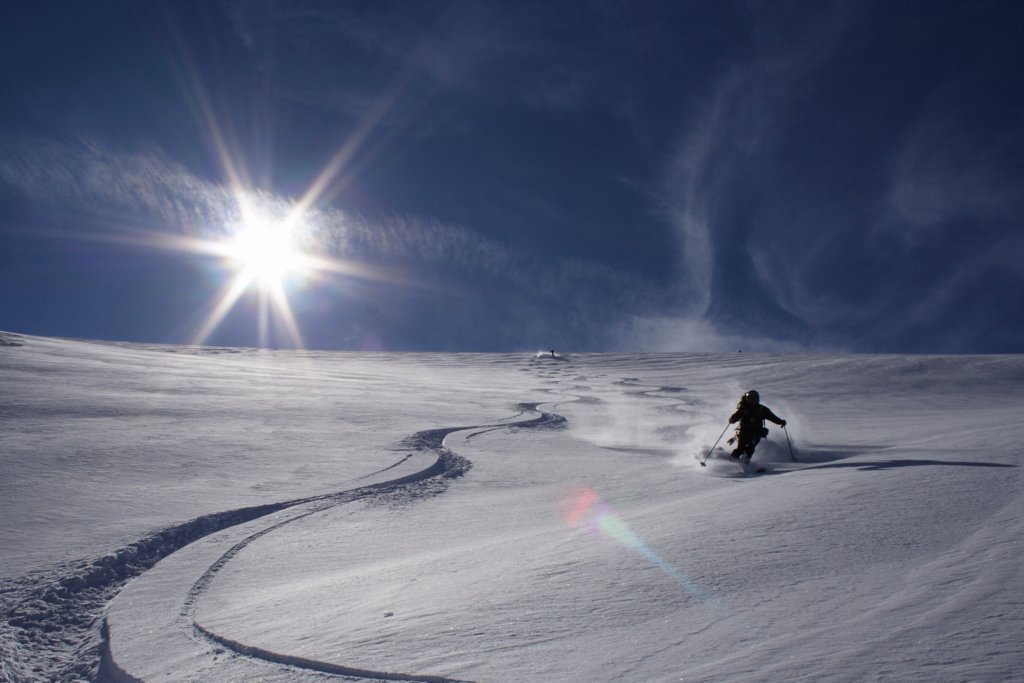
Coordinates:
<point>228,514</point>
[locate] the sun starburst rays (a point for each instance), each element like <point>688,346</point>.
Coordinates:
<point>263,256</point>
<point>223,303</point>
<point>260,249</point>
<point>264,253</point>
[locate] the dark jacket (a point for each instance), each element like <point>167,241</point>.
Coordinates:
<point>752,417</point>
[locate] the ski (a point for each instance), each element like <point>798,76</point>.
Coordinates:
<point>742,469</point>
<point>747,468</point>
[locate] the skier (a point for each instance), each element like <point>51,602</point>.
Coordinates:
<point>751,416</point>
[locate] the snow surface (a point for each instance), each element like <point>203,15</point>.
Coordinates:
<point>201,514</point>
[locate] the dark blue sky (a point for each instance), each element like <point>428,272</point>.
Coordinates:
<point>519,175</point>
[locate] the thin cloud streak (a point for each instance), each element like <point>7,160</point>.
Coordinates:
<point>456,55</point>
<point>938,178</point>
<point>696,178</point>
<point>810,260</point>
<point>154,200</point>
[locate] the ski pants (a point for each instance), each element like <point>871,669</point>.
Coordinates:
<point>747,440</point>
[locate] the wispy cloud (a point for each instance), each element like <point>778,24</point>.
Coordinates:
<point>956,208</point>
<point>533,55</point>
<point>123,188</point>
<point>941,176</point>
<point>876,246</point>
<point>131,195</point>
<point>673,333</point>
<point>724,140</point>
<point>697,175</point>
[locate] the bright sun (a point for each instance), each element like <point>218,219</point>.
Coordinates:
<point>265,253</point>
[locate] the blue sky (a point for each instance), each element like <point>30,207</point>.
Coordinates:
<point>492,176</point>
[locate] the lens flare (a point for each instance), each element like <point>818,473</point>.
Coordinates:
<point>585,510</point>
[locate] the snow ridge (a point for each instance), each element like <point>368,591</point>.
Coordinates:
<point>8,339</point>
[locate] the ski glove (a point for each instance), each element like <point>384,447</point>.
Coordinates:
<point>782,423</point>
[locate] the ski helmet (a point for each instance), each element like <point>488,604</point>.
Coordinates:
<point>752,397</point>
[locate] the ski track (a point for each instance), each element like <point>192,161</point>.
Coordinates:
<point>43,619</point>
<point>449,465</point>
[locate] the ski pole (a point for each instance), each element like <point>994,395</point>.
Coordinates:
<point>792,458</point>
<point>713,447</point>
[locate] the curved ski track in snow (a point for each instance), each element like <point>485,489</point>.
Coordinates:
<point>429,481</point>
